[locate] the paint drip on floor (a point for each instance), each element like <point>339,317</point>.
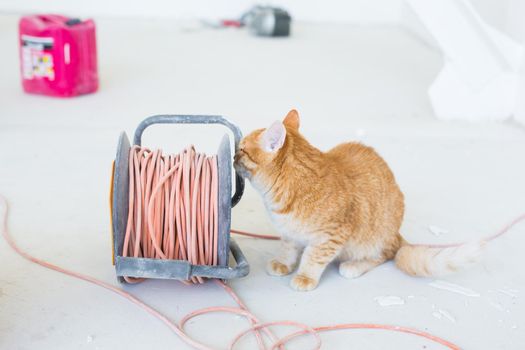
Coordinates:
<point>389,300</point>
<point>440,314</point>
<point>437,231</point>
<point>496,305</point>
<point>510,292</point>
<point>454,288</point>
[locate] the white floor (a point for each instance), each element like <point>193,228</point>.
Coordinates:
<point>349,83</point>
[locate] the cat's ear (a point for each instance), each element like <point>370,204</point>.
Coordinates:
<point>292,119</point>
<point>273,138</point>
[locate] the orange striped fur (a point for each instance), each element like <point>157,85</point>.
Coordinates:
<point>344,203</point>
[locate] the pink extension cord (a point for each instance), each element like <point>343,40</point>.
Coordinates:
<point>181,190</point>
<point>173,207</point>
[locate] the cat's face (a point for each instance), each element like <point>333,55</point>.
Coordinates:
<point>250,155</point>
<point>258,150</point>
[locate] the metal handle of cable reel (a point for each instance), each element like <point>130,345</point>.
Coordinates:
<point>196,119</point>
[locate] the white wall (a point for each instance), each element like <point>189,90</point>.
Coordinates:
<point>506,16</point>
<point>358,11</point>
<point>515,27</point>
<point>494,12</point>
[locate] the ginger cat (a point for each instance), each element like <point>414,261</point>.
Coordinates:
<point>343,203</point>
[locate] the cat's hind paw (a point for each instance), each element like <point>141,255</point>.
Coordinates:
<point>303,284</point>
<point>277,268</point>
<point>350,270</point>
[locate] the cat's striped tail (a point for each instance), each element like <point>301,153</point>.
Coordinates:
<point>428,260</point>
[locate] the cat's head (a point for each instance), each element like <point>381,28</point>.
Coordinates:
<point>258,150</point>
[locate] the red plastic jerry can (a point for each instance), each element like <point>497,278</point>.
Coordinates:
<point>58,55</point>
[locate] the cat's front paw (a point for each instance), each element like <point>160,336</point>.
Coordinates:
<point>276,268</point>
<point>303,284</point>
